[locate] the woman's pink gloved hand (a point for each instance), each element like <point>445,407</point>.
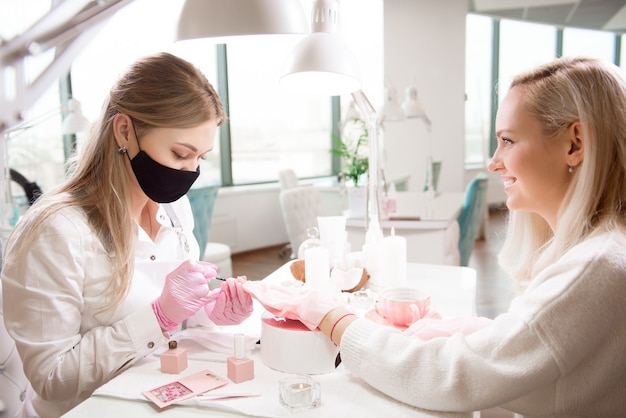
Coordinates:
<point>230,304</point>
<point>185,291</point>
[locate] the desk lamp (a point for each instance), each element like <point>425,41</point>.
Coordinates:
<point>414,109</point>
<point>411,108</point>
<point>323,64</point>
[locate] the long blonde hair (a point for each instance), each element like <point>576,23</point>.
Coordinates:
<point>558,94</point>
<point>160,90</point>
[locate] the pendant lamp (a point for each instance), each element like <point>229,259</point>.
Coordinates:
<point>412,107</point>
<point>224,20</point>
<point>75,121</point>
<point>322,63</point>
<point>391,111</point>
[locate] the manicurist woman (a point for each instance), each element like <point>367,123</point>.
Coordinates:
<point>101,269</point>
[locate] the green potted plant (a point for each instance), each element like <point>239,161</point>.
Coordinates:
<point>352,147</point>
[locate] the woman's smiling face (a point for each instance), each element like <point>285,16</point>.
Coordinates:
<point>532,166</point>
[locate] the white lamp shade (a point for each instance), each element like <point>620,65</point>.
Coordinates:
<point>75,121</point>
<point>391,111</point>
<point>321,64</point>
<point>411,106</point>
<point>222,20</point>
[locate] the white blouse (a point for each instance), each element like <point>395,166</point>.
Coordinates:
<point>54,305</point>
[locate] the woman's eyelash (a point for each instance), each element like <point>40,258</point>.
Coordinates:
<point>187,156</point>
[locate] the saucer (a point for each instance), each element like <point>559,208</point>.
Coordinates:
<point>374,316</point>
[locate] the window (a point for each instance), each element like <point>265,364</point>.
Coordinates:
<point>35,147</point>
<point>271,128</point>
<point>593,43</point>
<point>522,46</point>
<point>477,88</point>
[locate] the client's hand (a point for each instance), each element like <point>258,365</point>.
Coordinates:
<point>305,304</point>
<point>229,305</point>
<point>185,291</point>
<point>429,328</point>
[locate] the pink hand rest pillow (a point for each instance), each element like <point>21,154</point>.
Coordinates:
<point>429,328</point>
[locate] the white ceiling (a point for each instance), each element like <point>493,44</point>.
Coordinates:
<point>589,14</point>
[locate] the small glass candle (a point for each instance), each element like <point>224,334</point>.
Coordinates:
<point>299,393</point>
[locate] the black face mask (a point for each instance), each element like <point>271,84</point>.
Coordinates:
<point>160,183</point>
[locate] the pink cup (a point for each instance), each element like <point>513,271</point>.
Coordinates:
<point>402,306</point>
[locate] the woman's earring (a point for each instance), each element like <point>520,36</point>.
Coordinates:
<point>122,150</point>
<point>570,169</point>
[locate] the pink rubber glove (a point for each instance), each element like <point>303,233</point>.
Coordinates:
<point>429,328</point>
<point>229,305</point>
<point>302,303</point>
<point>185,291</point>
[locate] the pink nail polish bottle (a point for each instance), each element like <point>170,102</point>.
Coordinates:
<point>174,359</point>
<point>238,366</point>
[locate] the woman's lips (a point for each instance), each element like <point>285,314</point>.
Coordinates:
<point>508,182</point>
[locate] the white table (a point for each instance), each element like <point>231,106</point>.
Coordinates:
<point>429,224</point>
<point>452,290</point>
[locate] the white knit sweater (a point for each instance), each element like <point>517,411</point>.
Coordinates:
<point>559,351</point>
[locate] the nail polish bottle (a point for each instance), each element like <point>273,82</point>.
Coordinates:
<point>239,367</point>
<point>174,359</point>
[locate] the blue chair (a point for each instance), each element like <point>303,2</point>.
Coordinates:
<point>470,216</point>
<point>435,169</point>
<point>202,200</point>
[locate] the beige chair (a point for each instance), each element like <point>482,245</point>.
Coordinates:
<point>300,207</point>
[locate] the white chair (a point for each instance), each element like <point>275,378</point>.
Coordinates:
<point>12,380</point>
<point>287,179</point>
<point>300,207</point>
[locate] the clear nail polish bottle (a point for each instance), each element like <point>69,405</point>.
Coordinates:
<point>174,359</point>
<point>239,367</point>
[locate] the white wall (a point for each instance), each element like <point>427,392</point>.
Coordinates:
<point>247,218</point>
<point>425,39</point>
